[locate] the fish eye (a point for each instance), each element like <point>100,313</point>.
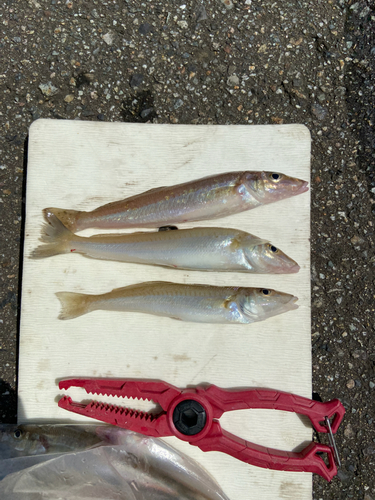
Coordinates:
<point>17,433</point>
<point>275,177</point>
<point>273,249</point>
<point>265,291</point>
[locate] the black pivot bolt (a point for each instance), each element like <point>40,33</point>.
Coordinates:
<point>189,417</point>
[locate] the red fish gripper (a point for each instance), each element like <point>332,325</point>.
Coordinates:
<point>192,415</point>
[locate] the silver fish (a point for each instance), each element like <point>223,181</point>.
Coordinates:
<point>33,439</point>
<point>203,249</point>
<point>208,198</point>
<point>131,466</point>
<point>160,458</point>
<point>197,303</point>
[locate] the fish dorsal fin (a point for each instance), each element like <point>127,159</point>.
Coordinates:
<point>143,284</point>
<point>152,190</point>
<point>136,196</point>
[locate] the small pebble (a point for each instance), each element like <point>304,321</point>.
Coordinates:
<point>228,4</point>
<point>318,111</point>
<point>348,432</point>
<point>109,38</point>
<point>350,384</point>
<point>48,89</point>
<point>364,12</point>
<point>233,80</point>
<point>182,24</point>
<point>136,80</point>
<point>145,28</point>
<point>356,240</point>
<point>178,103</point>
<point>87,112</point>
<point>146,112</point>
<point>344,477</point>
<point>201,14</point>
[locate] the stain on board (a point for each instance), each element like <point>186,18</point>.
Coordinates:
<point>181,357</point>
<point>40,385</point>
<point>290,490</point>
<point>44,365</point>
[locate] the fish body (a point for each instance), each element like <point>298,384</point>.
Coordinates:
<point>32,439</point>
<point>208,198</point>
<point>196,303</point>
<point>144,470</point>
<point>123,465</point>
<point>203,249</point>
<point>162,460</point>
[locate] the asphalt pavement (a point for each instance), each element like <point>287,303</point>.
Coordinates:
<point>218,62</point>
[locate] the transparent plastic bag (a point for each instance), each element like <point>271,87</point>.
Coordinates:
<point>138,468</point>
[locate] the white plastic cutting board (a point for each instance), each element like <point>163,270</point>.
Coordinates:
<point>82,165</point>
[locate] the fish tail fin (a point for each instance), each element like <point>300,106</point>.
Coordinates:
<point>57,239</point>
<point>73,304</point>
<point>68,217</point>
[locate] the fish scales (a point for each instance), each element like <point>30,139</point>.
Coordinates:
<point>195,303</point>
<point>147,209</point>
<point>189,303</point>
<point>122,463</point>
<point>203,248</point>
<point>207,198</point>
<point>33,439</point>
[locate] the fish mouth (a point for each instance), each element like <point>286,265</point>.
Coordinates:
<point>302,188</point>
<point>292,304</point>
<point>287,269</point>
<point>294,269</point>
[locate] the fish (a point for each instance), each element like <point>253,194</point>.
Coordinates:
<point>195,303</point>
<point>202,249</point>
<point>211,197</point>
<point>138,468</point>
<point>32,439</point>
<point>156,455</point>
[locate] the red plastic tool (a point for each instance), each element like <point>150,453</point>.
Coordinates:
<point>191,414</point>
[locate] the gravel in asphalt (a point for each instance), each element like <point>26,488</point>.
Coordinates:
<point>218,62</point>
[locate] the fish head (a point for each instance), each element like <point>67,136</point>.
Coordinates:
<point>266,258</point>
<point>269,187</point>
<point>13,435</point>
<point>20,441</point>
<point>262,303</point>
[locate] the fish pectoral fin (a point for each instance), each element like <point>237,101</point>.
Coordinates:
<point>228,302</point>
<point>242,181</point>
<point>235,244</point>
